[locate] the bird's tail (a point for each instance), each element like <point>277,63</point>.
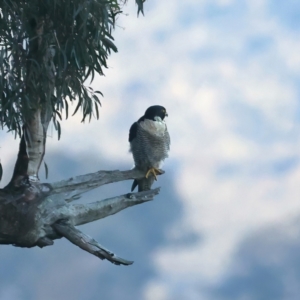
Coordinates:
<point>143,184</point>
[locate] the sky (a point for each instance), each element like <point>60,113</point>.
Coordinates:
<point>226,223</point>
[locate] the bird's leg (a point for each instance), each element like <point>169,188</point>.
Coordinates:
<point>154,171</point>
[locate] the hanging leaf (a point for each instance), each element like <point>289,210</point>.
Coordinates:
<point>97,111</point>
<point>109,44</point>
<point>46,170</point>
<point>58,130</point>
<point>66,108</point>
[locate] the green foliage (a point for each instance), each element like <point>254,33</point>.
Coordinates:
<point>47,51</point>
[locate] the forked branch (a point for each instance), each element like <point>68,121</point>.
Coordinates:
<point>41,213</point>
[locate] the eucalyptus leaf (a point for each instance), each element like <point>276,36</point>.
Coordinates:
<point>46,170</point>
<point>52,49</point>
<point>1,171</point>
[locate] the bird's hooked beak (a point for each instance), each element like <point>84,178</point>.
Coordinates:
<point>166,114</point>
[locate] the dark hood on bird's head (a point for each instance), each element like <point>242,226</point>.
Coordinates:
<point>155,111</point>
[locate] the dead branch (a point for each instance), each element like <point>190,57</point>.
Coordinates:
<point>73,187</point>
<point>87,243</point>
<point>37,213</point>
<point>101,209</point>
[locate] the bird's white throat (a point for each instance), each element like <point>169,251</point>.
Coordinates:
<point>157,127</point>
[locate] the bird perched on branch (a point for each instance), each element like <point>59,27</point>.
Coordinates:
<point>149,143</point>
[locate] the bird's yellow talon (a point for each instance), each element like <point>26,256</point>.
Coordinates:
<point>154,171</point>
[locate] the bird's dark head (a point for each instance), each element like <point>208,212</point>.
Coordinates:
<point>155,111</point>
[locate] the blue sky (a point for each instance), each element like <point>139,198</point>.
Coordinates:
<point>225,226</point>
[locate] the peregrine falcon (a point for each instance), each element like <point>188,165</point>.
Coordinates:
<point>149,143</point>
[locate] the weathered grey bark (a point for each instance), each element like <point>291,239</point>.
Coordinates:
<point>36,124</point>
<point>37,214</point>
<point>36,120</point>
<point>35,144</point>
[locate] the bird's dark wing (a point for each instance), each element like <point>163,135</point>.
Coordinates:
<point>144,184</point>
<point>132,131</point>
<point>134,184</point>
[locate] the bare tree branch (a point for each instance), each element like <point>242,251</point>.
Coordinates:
<point>38,213</point>
<point>73,187</point>
<point>86,213</point>
<point>87,243</point>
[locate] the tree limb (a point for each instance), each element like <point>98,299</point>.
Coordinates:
<point>73,187</point>
<point>37,214</point>
<point>87,243</point>
<point>21,166</point>
<point>86,213</point>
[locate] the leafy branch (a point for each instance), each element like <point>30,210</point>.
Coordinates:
<point>72,38</point>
